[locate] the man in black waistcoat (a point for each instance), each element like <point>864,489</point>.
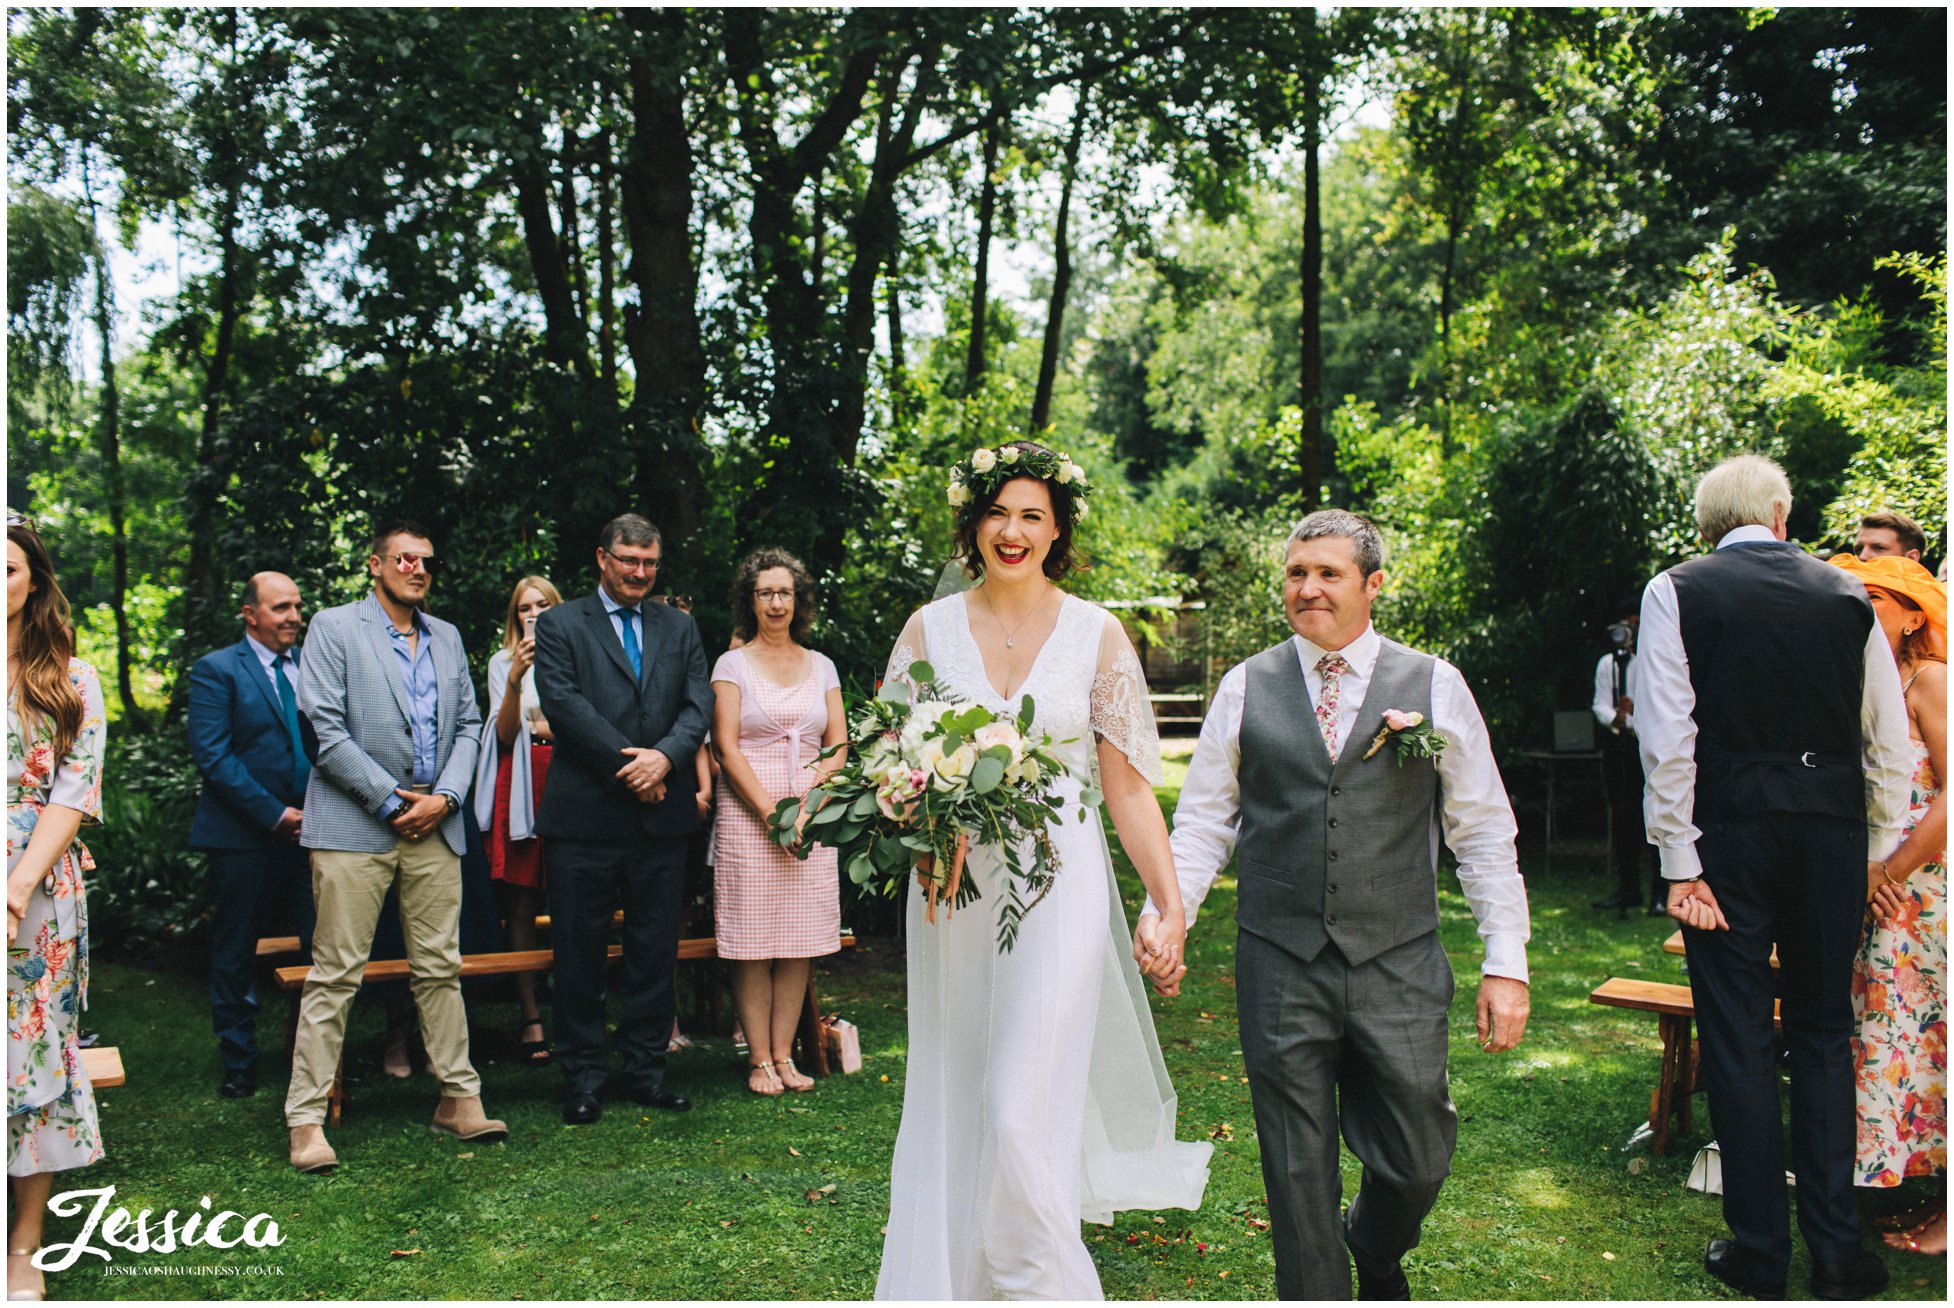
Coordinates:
<point>1774,737</point>
<point>623,684</point>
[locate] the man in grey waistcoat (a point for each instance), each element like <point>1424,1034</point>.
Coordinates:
<point>1335,812</point>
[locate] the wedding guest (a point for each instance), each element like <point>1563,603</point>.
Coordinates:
<point>1890,533</point>
<point>623,684</point>
<point>252,746</point>
<point>388,690</point>
<point>509,779</point>
<point>1773,736</point>
<point>56,734</point>
<point>1899,980</point>
<point>1615,688</point>
<point>778,706</point>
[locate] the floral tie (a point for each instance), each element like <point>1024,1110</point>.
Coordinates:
<point>1331,668</point>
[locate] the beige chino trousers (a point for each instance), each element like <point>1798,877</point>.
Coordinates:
<point>349,890</point>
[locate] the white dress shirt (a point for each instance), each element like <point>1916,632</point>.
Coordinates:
<point>1604,692</point>
<point>1666,726</point>
<point>1476,819</point>
<point>267,660</point>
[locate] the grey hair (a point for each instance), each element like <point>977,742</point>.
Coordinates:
<point>1366,544</point>
<point>628,529</point>
<point>1749,490</point>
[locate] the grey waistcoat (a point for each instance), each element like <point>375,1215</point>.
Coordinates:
<point>1343,853</point>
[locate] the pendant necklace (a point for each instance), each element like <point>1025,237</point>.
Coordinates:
<point>1011,634</point>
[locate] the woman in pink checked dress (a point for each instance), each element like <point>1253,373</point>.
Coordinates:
<point>778,706</point>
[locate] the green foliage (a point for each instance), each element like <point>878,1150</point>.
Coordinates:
<point>148,887</point>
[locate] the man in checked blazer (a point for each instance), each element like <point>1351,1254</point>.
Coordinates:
<point>388,692</point>
<point>623,684</point>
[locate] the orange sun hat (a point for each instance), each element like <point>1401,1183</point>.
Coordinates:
<point>1903,577</point>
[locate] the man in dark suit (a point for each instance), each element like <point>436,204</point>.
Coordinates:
<point>1774,737</point>
<point>623,684</point>
<point>254,749</point>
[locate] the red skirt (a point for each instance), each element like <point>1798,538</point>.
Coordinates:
<point>518,862</point>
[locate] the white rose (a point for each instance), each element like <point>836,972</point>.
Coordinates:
<point>1000,733</point>
<point>1079,509</point>
<point>953,769</point>
<point>983,460</point>
<point>1078,474</point>
<point>922,721</point>
<point>1029,771</point>
<point>960,494</point>
<point>1067,470</point>
<point>1009,453</point>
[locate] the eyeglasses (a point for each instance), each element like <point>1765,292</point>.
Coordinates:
<point>427,563</point>
<point>769,596</point>
<point>634,566</point>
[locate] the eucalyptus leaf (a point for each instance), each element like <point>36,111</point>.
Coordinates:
<point>919,672</point>
<point>985,776</point>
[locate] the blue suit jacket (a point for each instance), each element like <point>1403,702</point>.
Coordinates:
<point>239,742</point>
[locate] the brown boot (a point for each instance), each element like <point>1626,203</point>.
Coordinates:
<point>464,1118</point>
<point>310,1152</point>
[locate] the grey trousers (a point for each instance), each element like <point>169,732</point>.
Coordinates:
<point>1359,1049</point>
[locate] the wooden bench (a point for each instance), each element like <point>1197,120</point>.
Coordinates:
<point>1675,1010</point>
<point>279,946</point>
<point>103,1066</point>
<point>1674,945</point>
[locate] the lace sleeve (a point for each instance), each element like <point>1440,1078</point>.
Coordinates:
<point>910,646</point>
<point>1120,711</point>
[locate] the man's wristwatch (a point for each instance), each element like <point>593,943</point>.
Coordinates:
<point>454,805</point>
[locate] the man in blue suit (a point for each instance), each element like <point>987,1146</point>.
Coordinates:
<point>253,747</point>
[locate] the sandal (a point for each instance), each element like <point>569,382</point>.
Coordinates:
<point>802,1086</point>
<point>771,1080</point>
<point>534,1052</point>
<point>24,1280</point>
<point>1909,1240</point>
<point>1912,1218</point>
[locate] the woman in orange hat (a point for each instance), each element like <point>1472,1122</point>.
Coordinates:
<point>1898,982</point>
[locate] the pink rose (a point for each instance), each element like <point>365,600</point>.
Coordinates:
<point>1398,720</point>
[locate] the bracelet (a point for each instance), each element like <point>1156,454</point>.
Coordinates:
<point>1886,872</point>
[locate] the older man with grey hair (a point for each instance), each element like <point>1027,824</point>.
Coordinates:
<point>1774,738</point>
<point>1331,764</point>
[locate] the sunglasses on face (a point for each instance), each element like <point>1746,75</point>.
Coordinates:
<point>427,563</point>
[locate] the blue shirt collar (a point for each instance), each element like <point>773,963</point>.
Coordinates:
<point>612,606</point>
<point>420,618</point>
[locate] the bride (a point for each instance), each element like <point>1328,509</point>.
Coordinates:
<point>1036,1096</point>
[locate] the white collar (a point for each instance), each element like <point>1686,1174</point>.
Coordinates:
<point>1360,654</point>
<point>1748,535</point>
<point>265,656</point>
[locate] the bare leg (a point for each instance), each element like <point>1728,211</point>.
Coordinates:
<point>753,1000</point>
<point>28,1196</point>
<point>521,919</point>
<point>789,994</point>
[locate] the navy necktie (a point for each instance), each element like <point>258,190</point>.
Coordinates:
<point>631,650</point>
<point>288,702</point>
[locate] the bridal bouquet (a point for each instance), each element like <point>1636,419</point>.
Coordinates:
<point>926,775</point>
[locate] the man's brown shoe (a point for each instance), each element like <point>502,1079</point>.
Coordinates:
<point>464,1119</point>
<point>310,1152</point>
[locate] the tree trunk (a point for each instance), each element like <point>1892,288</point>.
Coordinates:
<point>973,367</point>
<point>898,364</point>
<point>1041,402</point>
<point>1311,379</point>
<point>563,327</point>
<point>567,230</point>
<point>606,268</point>
<point>206,487</point>
<point>110,436</point>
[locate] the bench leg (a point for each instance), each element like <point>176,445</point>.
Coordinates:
<point>1671,1096</point>
<point>814,1048</point>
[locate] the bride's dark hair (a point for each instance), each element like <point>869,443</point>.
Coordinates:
<point>1063,558</point>
<point>47,642</point>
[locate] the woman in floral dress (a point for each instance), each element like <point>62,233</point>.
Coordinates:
<point>55,735</point>
<point>1899,990</point>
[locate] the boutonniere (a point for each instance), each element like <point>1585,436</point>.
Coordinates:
<point>1416,738</point>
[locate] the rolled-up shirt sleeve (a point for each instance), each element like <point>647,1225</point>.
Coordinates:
<point>1666,727</point>
<point>1208,815</point>
<point>1886,751</point>
<point>1476,819</point>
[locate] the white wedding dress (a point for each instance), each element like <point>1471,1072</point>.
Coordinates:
<point>1035,1094</point>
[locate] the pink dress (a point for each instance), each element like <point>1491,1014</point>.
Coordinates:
<point>766,902</point>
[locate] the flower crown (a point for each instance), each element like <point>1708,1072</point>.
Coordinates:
<point>987,469</point>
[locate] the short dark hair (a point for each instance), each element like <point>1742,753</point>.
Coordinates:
<point>250,597</point>
<point>629,529</point>
<point>1063,558</point>
<point>1911,537</point>
<point>393,527</point>
<point>747,580</point>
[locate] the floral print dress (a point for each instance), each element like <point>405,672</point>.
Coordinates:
<point>1899,1007</point>
<point>51,1123</point>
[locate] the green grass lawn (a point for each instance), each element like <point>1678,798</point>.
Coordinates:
<point>731,1201</point>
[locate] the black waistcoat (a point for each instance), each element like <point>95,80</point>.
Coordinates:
<point>1776,642</point>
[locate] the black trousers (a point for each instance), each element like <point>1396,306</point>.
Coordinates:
<point>252,888</point>
<point>1331,1048</point>
<point>588,880</point>
<point>1798,881</point>
<point>1621,766</point>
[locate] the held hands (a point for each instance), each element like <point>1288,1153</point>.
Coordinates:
<point>1159,943</point>
<point>418,814</point>
<point>1692,904</point>
<point>1888,899</point>
<point>1501,1014</point>
<point>288,825</point>
<point>645,773</point>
